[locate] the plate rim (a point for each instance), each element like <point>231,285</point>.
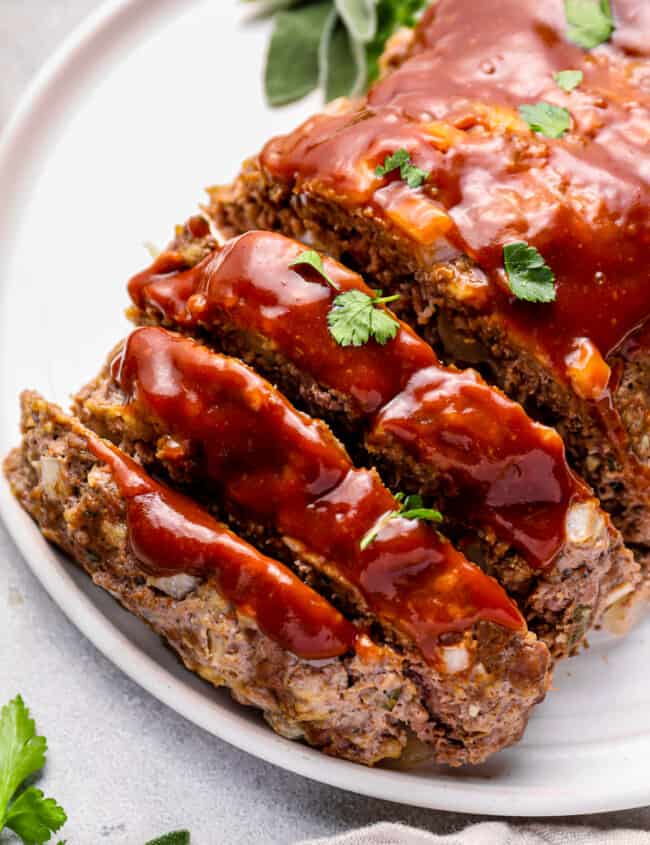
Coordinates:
<point>491,798</point>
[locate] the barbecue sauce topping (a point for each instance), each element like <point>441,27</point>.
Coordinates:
<point>504,470</point>
<point>491,443</point>
<point>171,534</point>
<point>583,200</point>
<point>251,283</point>
<point>241,437</point>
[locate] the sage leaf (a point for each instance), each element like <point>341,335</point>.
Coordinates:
<point>342,61</point>
<point>292,63</point>
<point>360,17</point>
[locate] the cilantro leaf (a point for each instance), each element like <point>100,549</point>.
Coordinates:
<point>546,119</point>
<point>568,79</point>
<point>401,159</point>
<point>410,507</point>
<point>371,534</point>
<point>529,277</point>
<point>355,318</point>
<point>393,161</point>
<point>313,259</point>
<point>22,753</point>
<point>33,817</point>
<point>590,22</point>
<point>427,514</point>
<point>177,837</point>
<point>413,176</point>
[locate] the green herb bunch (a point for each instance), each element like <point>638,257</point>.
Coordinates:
<point>331,44</point>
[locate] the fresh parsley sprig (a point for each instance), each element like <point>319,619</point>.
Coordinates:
<point>529,277</point>
<point>409,173</point>
<point>589,22</point>
<point>355,318</point>
<point>332,44</point>
<point>567,80</point>
<point>24,810</point>
<point>313,259</point>
<point>546,119</point>
<point>411,507</point>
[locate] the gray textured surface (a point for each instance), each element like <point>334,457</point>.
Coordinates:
<point>124,766</point>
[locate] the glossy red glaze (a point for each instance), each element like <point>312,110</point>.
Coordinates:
<point>249,286</point>
<point>505,470</point>
<point>583,200</point>
<point>282,467</point>
<point>170,534</point>
<point>250,281</point>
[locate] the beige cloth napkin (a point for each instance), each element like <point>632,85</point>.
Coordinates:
<point>487,833</point>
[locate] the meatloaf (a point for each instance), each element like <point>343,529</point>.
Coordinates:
<point>508,496</point>
<point>462,113</point>
<point>209,594</point>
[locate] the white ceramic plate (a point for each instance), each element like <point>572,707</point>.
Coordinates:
<point>149,101</point>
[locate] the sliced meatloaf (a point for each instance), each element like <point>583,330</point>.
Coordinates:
<point>508,496</point>
<point>481,174</point>
<point>210,422</point>
<point>365,704</point>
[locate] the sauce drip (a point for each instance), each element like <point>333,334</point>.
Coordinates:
<point>242,437</point>
<point>171,534</point>
<point>583,200</point>
<point>249,286</point>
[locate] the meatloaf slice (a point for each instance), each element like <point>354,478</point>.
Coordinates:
<point>484,181</point>
<point>508,496</point>
<point>212,423</point>
<point>364,705</point>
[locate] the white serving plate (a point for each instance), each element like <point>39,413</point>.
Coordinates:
<point>145,104</point>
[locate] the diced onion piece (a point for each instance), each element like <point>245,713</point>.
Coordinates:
<point>584,523</point>
<point>587,370</point>
<point>176,586</point>
<point>455,659</point>
<point>50,474</point>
